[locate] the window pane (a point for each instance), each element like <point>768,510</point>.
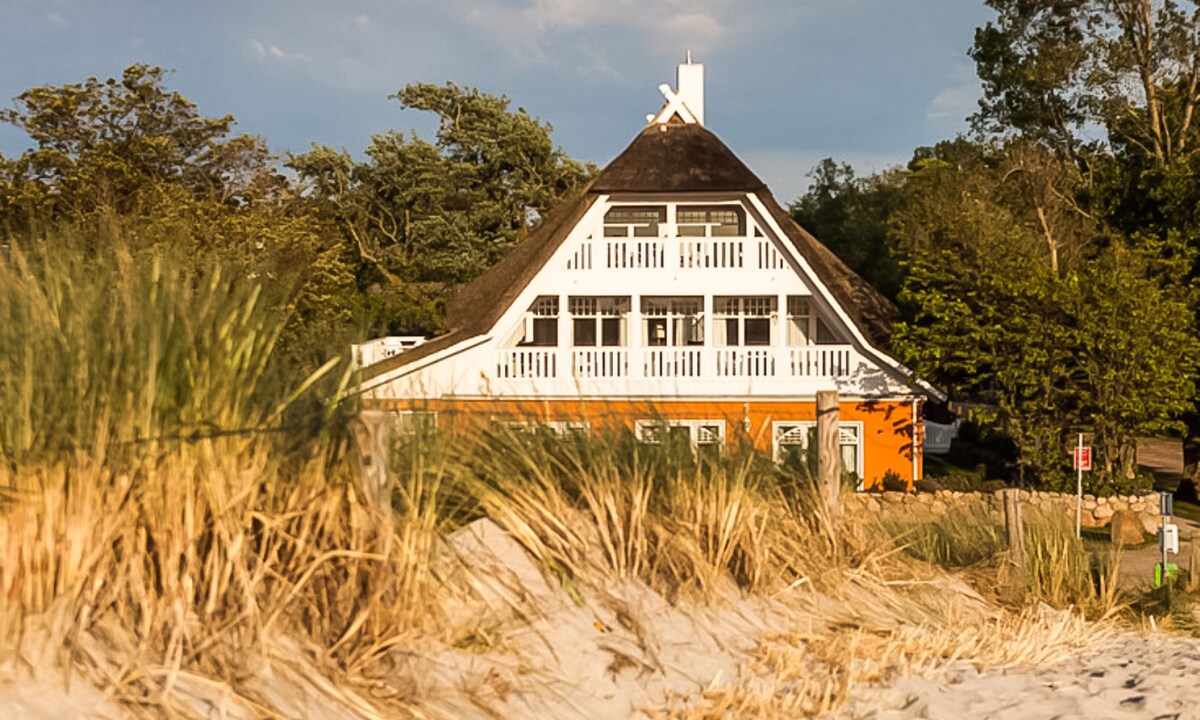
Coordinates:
<point>584,331</point>
<point>731,332</point>
<point>656,331</point>
<point>545,332</point>
<point>610,328</point>
<point>758,331</point>
<point>825,336</point>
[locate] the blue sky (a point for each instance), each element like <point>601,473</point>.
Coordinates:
<point>788,81</point>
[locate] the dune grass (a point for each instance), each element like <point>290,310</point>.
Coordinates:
<point>173,507</point>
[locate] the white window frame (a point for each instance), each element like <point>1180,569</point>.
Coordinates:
<point>679,325</point>
<point>618,307</point>
<point>694,427</point>
<point>744,310</point>
<point>808,425</point>
<point>817,330</point>
<point>560,428</point>
<point>405,423</point>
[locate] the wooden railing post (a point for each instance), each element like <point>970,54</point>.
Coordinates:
<point>1014,525</point>
<point>829,456</point>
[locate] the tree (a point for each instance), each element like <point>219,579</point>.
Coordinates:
<point>1051,67</point>
<point>850,216</point>
<point>123,147</point>
<point>420,216</point>
<point>1087,339</point>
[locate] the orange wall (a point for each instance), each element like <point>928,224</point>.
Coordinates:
<point>887,426</point>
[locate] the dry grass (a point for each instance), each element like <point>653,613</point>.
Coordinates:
<point>157,534</point>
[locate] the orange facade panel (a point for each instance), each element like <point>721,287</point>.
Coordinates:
<point>886,428</point>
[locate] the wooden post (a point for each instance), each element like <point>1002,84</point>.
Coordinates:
<point>829,456</point>
<point>371,432</point>
<point>1193,582</point>
<point>1011,501</point>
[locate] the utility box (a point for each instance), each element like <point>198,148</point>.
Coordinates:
<point>1168,538</point>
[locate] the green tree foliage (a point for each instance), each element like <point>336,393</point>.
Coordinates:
<point>850,215</point>
<point>420,216</point>
<point>1088,332</point>
<point>126,165</point>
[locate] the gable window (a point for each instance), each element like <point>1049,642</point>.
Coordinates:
<point>743,320</point>
<point>673,321</point>
<point>598,321</point>
<point>541,323</point>
<point>795,446</point>
<point>710,221</point>
<point>696,434</point>
<point>630,221</point>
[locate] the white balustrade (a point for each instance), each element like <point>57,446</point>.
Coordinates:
<point>633,253</point>
<point>745,362</point>
<point>938,437</point>
<point>820,361</point>
<point>671,362</point>
<point>527,363</point>
<point>812,361</point>
<point>600,363</point>
<point>703,253</point>
<point>710,252</point>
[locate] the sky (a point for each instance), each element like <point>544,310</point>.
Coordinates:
<point>788,82</point>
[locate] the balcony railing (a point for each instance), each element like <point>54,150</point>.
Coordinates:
<point>813,361</point>
<point>753,253</point>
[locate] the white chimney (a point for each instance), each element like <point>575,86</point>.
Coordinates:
<point>689,81</point>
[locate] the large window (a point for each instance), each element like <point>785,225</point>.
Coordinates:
<point>673,321</point>
<point>629,221</point>
<point>541,323</point>
<point>795,446</point>
<point>805,326</point>
<point>743,320</point>
<point>710,221</point>
<point>598,321</point>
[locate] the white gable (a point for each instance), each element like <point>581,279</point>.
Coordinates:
<point>691,296</point>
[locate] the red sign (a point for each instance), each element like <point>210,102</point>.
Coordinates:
<point>1083,458</point>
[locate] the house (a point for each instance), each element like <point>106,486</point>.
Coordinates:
<point>673,296</point>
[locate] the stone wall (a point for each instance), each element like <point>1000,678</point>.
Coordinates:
<point>1097,512</point>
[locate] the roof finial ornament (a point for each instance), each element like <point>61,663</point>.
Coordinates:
<point>686,102</point>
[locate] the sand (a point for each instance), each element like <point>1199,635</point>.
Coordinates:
<point>1132,676</point>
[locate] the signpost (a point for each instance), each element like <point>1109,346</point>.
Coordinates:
<point>1082,457</point>
<point>1168,542</point>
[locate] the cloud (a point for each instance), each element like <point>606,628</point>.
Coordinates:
<point>265,52</point>
<point>959,99</point>
<point>526,31</point>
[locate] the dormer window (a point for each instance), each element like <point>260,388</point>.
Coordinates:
<point>710,221</point>
<point>629,221</point>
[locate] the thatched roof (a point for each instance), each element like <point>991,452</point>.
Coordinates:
<point>661,159</point>
<point>676,158</point>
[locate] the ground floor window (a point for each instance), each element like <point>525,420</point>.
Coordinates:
<point>406,423</point>
<point>695,434</point>
<point>556,428</point>
<point>795,444</point>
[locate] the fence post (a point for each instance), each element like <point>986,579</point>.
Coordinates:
<point>1193,582</point>
<point>829,456</point>
<point>1014,525</point>
<point>372,443</point>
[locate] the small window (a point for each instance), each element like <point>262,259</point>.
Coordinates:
<point>550,428</point>
<point>714,221</point>
<point>541,323</point>
<point>598,320</point>
<point>407,423</point>
<point>696,434</point>
<point>627,221</point>
<point>796,448</point>
<point>744,320</point>
<point>673,321</point>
